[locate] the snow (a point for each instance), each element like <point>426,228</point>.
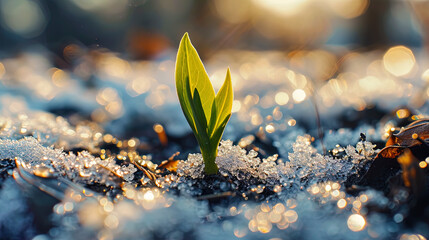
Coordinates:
<point>83,167</point>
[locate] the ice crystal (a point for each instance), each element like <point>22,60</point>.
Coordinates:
<point>49,130</point>
<point>308,165</point>
<point>193,167</point>
<point>363,151</point>
<point>83,167</point>
<point>304,165</point>
<point>232,161</point>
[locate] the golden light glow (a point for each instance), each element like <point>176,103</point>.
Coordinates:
<point>2,70</point>
<point>265,208</point>
<point>338,86</point>
<point>236,106</point>
<point>132,143</point>
<point>281,7</point>
<point>406,236</point>
<point>342,203</point>
<point>233,11</point>
<point>149,196</point>
<point>423,164</point>
<point>106,95</point>
<point>158,128</point>
<point>59,78</point>
<point>357,204</point>
<point>42,171</point>
<point>90,215</point>
<point>291,216</point>
<point>279,208</point>
<point>277,114</point>
<point>253,225</point>
<point>315,190</point>
<point>256,118</point>
<point>356,222</point>
<point>23,17</point>
<point>299,95</point>
<point>399,60</point>
<point>240,232</point>
<point>425,75</point>
<point>114,108</point>
<point>348,8</point>
<point>270,128</point>
<point>141,85</point>
<point>111,221</point>
<point>116,66</point>
<point>233,211</point>
<point>281,98</point>
<point>403,113</point>
<point>370,84</point>
<point>265,227</point>
<point>335,193</point>
<point>328,187</point>
<point>363,198</point>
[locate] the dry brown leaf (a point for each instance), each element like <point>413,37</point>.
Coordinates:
<point>170,164</point>
<point>391,152</point>
<point>411,135</point>
<point>405,136</point>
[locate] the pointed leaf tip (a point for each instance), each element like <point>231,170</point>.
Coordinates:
<point>224,99</point>
<point>185,36</point>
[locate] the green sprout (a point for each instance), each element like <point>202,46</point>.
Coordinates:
<point>206,113</point>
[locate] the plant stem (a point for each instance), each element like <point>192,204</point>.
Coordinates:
<point>209,157</point>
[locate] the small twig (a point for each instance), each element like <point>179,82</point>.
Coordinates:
<point>363,140</point>
<point>217,195</point>
<point>148,173</point>
<point>318,122</point>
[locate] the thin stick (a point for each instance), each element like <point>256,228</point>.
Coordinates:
<point>319,124</point>
<point>217,195</point>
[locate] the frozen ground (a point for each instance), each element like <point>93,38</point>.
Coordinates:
<point>84,144</point>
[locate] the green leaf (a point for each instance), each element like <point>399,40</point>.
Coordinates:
<point>217,135</point>
<point>188,63</point>
<point>212,122</point>
<point>182,85</point>
<point>224,99</point>
<point>200,119</point>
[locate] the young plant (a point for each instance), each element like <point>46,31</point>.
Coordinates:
<point>206,113</point>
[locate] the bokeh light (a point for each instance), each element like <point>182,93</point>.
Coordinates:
<point>356,222</point>
<point>23,17</point>
<point>348,8</point>
<point>399,60</point>
<point>299,95</point>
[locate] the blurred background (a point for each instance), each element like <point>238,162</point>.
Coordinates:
<point>144,28</point>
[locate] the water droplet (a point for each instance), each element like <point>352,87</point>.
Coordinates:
<point>43,171</point>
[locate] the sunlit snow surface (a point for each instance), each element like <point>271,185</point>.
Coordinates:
<point>296,193</point>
